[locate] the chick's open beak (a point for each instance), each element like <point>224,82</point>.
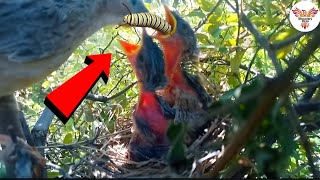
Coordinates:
<point>131,50</point>
<point>171,20</point>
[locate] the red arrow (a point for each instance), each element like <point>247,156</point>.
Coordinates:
<point>64,100</point>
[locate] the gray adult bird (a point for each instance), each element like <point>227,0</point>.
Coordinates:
<point>37,36</point>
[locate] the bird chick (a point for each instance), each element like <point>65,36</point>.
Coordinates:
<point>151,116</point>
<point>184,91</point>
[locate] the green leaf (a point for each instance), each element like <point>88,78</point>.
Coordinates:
<point>45,84</point>
<point>70,125</point>
<point>196,13</point>
<point>53,173</point>
<point>281,36</point>
<point>177,152</point>
<point>214,19</point>
<point>88,114</point>
<point>267,8</point>
<point>205,5</point>
<point>68,138</point>
<point>203,38</point>
<point>233,81</point>
<point>223,50</point>
<point>214,30</point>
<point>236,61</point>
<point>233,18</point>
<point>176,131</point>
<point>123,100</point>
<point>111,125</point>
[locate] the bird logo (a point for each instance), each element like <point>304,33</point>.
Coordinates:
<point>304,16</point>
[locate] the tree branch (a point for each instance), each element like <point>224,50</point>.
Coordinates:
<point>305,142</point>
<point>263,41</point>
<point>303,108</point>
<point>287,41</point>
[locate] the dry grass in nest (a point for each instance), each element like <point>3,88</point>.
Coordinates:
<point>114,152</point>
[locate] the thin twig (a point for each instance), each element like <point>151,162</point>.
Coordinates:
<point>263,41</point>
<point>239,25</point>
<point>100,98</point>
<point>108,45</point>
<point>201,23</point>
<point>73,145</point>
<point>305,143</point>
<point>226,62</point>
<point>115,86</point>
<point>250,65</point>
<point>307,84</point>
<point>287,41</point>
<point>60,169</point>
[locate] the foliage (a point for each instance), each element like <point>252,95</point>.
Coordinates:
<point>234,63</point>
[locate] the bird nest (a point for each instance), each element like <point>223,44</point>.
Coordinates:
<point>107,156</point>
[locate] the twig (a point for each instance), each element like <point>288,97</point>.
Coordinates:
<point>60,169</point>
<point>73,145</point>
<point>201,23</point>
<point>262,41</point>
<point>108,45</point>
<point>25,128</point>
<point>287,41</point>
<point>279,25</point>
<point>247,69</point>
<point>100,98</point>
<point>311,90</point>
<point>115,133</point>
<point>305,142</point>
<point>93,166</point>
<point>239,25</point>
<point>250,65</point>
<point>306,107</point>
<point>307,84</point>
<point>115,86</point>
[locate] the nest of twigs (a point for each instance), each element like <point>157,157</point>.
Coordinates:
<point>109,157</point>
<point>105,155</point>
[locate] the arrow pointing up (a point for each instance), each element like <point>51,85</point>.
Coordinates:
<point>64,100</point>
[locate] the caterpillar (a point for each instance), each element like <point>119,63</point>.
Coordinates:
<point>147,20</point>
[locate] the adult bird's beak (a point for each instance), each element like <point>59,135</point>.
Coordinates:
<point>171,20</point>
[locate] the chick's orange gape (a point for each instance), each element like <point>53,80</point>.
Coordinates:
<point>184,92</point>
<point>166,90</point>
<point>149,138</point>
